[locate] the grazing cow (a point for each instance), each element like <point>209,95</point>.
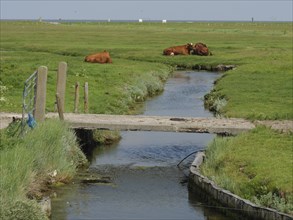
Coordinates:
<point>103,57</point>
<point>201,49</point>
<point>178,50</point>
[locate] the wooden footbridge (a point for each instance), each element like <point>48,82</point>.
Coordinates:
<point>231,126</point>
<point>34,100</point>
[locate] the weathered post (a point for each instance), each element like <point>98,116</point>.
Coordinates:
<point>40,100</point>
<point>86,97</point>
<point>76,97</point>
<point>59,107</point>
<point>61,83</point>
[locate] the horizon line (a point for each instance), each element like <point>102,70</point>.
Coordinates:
<point>133,20</point>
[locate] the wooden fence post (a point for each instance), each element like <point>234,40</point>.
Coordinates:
<point>40,100</point>
<point>86,97</point>
<point>76,97</point>
<point>59,107</point>
<point>61,83</point>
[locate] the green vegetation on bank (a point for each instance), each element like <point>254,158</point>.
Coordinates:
<point>49,154</point>
<point>256,165</point>
<point>260,87</point>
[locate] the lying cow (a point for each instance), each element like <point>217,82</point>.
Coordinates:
<point>103,57</point>
<point>178,50</point>
<point>201,49</point>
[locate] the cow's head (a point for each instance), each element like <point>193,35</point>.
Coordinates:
<point>189,47</point>
<point>201,49</point>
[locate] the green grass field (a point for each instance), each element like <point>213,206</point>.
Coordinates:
<point>259,88</point>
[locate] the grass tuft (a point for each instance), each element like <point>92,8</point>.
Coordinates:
<point>27,164</point>
<point>254,165</point>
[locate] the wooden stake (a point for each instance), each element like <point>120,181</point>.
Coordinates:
<point>76,97</point>
<point>59,107</point>
<point>61,83</point>
<point>86,98</point>
<point>40,101</point>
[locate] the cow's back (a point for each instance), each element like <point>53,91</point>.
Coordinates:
<point>178,50</point>
<point>103,57</point>
<point>181,50</point>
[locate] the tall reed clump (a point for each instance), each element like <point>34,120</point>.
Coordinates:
<point>256,165</point>
<point>46,155</point>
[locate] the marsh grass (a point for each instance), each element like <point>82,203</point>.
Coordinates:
<point>254,165</point>
<point>27,163</point>
<point>264,92</point>
<point>260,87</point>
<point>21,210</point>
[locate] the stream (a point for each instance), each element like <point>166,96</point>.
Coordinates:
<point>143,180</point>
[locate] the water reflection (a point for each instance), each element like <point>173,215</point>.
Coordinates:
<point>150,148</point>
<point>145,182</point>
<point>183,95</point>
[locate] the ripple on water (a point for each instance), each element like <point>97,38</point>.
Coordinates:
<point>145,181</point>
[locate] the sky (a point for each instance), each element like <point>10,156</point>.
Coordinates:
<point>193,10</point>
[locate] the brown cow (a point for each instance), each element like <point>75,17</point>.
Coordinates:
<point>103,57</point>
<point>178,50</point>
<point>201,49</point>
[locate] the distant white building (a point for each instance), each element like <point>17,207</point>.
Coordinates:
<point>140,20</point>
<point>164,21</point>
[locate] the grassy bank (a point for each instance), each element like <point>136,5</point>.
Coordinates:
<point>255,165</point>
<point>28,166</point>
<point>260,87</point>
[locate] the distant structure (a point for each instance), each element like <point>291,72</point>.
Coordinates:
<point>252,19</point>
<point>164,21</point>
<point>40,19</point>
<point>109,20</point>
<point>140,20</point>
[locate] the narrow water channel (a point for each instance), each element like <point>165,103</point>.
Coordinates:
<point>145,182</point>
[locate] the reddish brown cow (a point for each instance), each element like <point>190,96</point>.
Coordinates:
<point>201,49</point>
<point>103,57</point>
<point>178,50</point>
